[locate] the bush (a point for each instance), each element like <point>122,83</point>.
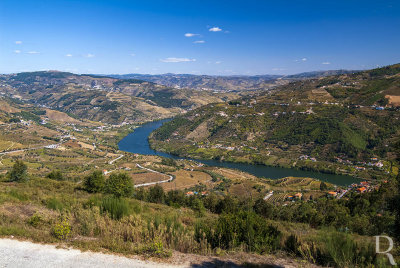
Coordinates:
<point>56,175</point>
<point>119,185</point>
<point>62,230</point>
<point>116,208</point>
<point>35,220</point>
<point>292,244</point>
<point>18,172</point>
<point>94,183</point>
<point>156,194</point>
<point>241,228</point>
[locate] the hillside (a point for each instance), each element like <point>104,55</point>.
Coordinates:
<point>333,124</point>
<point>103,98</point>
<point>63,182</point>
<point>236,83</point>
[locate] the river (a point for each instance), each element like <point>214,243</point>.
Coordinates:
<point>137,142</point>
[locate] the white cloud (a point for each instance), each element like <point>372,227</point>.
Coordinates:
<point>326,63</point>
<point>89,55</point>
<point>17,51</point>
<point>33,52</point>
<point>68,55</point>
<point>177,60</point>
<point>218,62</point>
<point>199,42</point>
<point>304,59</point>
<point>133,54</point>
<point>215,29</point>
<point>191,34</point>
<point>18,42</point>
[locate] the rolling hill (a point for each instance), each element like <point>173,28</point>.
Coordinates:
<point>332,124</point>
<point>104,99</point>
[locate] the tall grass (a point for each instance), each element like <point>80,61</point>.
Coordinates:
<point>116,208</point>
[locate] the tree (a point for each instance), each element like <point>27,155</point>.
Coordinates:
<point>156,194</point>
<point>119,185</point>
<point>18,172</point>
<point>323,186</point>
<point>94,183</point>
<point>198,207</point>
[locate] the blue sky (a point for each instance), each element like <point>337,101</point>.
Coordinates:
<point>198,36</point>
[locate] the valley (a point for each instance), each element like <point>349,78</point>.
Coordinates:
<point>88,182</point>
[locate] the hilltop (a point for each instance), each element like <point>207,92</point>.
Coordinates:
<point>334,124</point>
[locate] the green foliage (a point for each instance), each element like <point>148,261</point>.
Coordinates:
<point>62,230</point>
<point>242,228</point>
<point>18,172</point>
<point>292,244</point>
<point>168,162</point>
<point>54,204</point>
<point>323,186</point>
<point>94,183</point>
<point>35,220</point>
<point>56,175</point>
<point>156,194</point>
<point>166,130</point>
<point>115,207</point>
<point>343,251</point>
<point>119,185</point>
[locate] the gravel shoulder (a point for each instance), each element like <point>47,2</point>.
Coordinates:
<point>14,253</point>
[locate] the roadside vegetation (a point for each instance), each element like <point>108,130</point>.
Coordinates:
<point>106,214</point>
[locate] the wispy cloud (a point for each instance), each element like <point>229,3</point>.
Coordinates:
<point>326,63</point>
<point>133,54</point>
<point>33,52</point>
<point>218,62</point>
<point>18,42</point>
<point>191,34</point>
<point>199,42</point>
<point>300,60</point>
<point>177,60</point>
<point>89,55</point>
<point>278,69</point>
<point>17,51</point>
<point>68,55</point>
<point>215,29</point>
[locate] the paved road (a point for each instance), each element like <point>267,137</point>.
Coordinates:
<point>170,178</point>
<point>15,253</point>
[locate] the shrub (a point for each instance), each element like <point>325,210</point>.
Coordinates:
<point>62,230</point>
<point>156,194</point>
<point>35,220</point>
<point>18,172</point>
<point>292,244</point>
<point>240,228</point>
<point>56,175</point>
<point>119,185</point>
<point>94,183</point>
<point>116,208</point>
<point>156,249</point>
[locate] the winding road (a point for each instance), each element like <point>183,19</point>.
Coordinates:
<point>153,183</point>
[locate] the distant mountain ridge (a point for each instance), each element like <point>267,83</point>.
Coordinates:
<point>227,83</point>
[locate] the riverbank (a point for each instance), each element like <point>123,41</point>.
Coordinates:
<point>138,142</point>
